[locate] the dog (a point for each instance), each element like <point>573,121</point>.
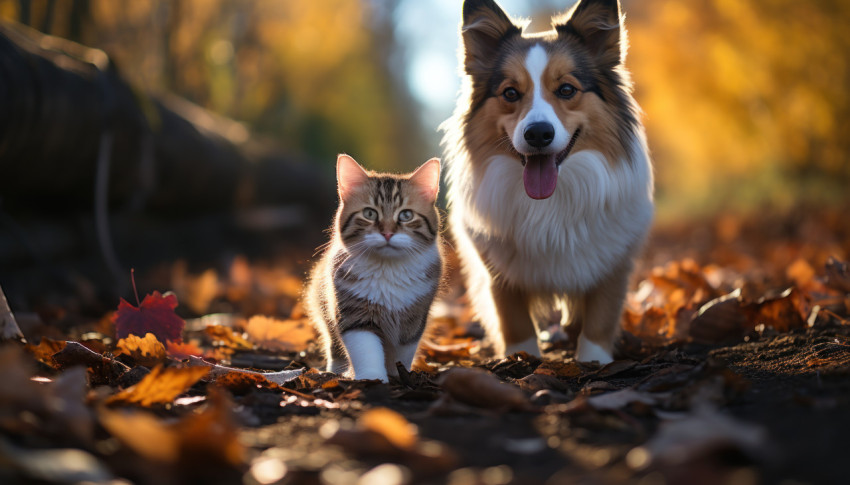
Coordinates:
<point>550,186</point>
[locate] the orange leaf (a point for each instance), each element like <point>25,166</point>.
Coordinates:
<point>183,350</point>
<point>228,337</point>
<point>161,386</point>
<point>558,368</point>
<point>46,349</point>
<point>480,388</point>
<point>155,315</point>
<point>785,312</point>
<point>147,351</point>
<point>391,425</point>
<point>286,335</point>
<point>201,439</point>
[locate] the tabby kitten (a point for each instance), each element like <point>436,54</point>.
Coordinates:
<point>370,293</point>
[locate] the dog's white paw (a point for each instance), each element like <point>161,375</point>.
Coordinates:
<point>529,346</point>
<point>588,351</point>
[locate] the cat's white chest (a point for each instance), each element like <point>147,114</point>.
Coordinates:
<point>394,283</point>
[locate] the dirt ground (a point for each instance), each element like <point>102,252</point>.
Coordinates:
<point>733,368</point>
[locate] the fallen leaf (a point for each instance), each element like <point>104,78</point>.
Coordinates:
<point>226,336</point>
<point>147,351</point>
<point>559,368</point>
<point>282,335</point>
<point>391,425</point>
<point>183,350</point>
<point>45,350</point>
<point>385,434</point>
<point>161,386</point>
<point>155,315</point>
<point>208,438</point>
<point>703,432</point>
<point>480,388</point>
<point>783,313</point>
<point>721,319</point>
<point>196,291</point>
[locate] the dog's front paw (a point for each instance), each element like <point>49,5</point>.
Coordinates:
<point>589,351</point>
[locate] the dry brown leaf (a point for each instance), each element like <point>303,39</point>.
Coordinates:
<point>207,438</point>
<point>391,425</point>
<point>282,335</point>
<point>183,350</point>
<point>721,319</point>
<point>559,368</point>
<point>161,386</point>
<point>45,350</point>
<point>147,351</point>
<point>222,335</point>
<point>787,311</point>
<point>386,434</point>
<point>480,388</point>
<point>704,432</point>
<point>195,291</point>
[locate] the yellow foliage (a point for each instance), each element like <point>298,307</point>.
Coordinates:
<point>742,95</point>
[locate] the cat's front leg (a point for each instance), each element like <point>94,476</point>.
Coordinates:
<point>366,352</point>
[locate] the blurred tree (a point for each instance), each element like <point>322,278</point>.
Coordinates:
<point>315,75</point>
<point>746,101</point>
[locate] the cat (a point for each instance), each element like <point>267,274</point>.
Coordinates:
<point>370,293</point>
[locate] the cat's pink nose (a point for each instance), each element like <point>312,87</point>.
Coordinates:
<point>388,236</point>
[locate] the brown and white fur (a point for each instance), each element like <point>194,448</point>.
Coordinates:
<point>370,293</point>
<point>547,218</point>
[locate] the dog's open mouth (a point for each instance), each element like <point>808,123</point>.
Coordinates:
<point>540,175</point>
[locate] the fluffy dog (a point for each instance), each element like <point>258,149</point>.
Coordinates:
<point>550,182</point>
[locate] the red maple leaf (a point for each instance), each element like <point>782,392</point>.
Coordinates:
<point>154,315</point>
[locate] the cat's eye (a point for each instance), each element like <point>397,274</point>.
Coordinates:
<point>370,213</point>
<point>405,215</point>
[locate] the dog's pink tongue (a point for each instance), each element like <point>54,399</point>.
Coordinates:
<point>540,176</point>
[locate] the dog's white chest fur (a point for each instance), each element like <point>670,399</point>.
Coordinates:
<point>395,283</point>
<point>565,243</point>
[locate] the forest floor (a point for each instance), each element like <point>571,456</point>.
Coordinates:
<point>733,368</point>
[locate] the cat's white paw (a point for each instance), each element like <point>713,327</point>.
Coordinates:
<point>366,353</point>
<point>588,351</point>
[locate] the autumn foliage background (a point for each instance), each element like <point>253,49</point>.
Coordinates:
<point>746,103</point>
<point>746,109</point>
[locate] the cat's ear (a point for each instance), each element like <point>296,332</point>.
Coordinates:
<point>427,179</point>
<point>350,175</point>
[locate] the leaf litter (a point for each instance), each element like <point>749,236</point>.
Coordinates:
<point>723,352</point>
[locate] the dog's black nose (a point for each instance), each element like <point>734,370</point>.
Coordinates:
<point>539,134</point>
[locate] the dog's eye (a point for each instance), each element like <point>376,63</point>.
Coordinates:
<point>510,94</point>
<point>370,213</point>
<point>405,215</point>
<point>566,91</point>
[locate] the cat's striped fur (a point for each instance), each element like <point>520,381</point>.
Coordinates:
<point>370,293</point>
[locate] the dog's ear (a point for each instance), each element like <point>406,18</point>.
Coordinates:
<point>485,25</point>
<point>598,25</point>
